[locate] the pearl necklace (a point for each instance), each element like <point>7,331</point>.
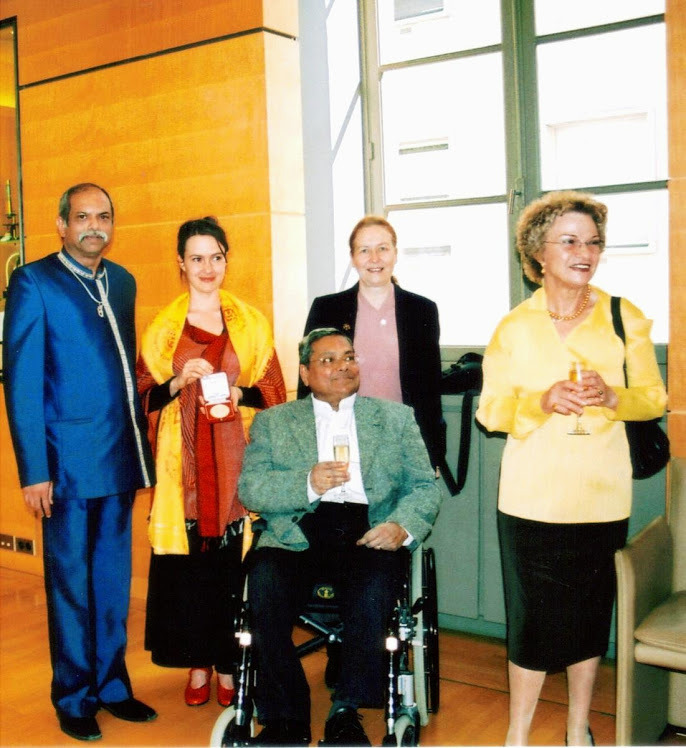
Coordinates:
<point>579,309</point>
<point>103,292</point>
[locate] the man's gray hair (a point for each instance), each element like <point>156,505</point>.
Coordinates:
<point>65,200</point>
<point>305,345</point>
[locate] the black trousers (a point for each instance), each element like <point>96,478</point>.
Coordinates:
<point>367,585</point>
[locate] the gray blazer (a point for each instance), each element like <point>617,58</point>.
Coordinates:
<point>397,475</point>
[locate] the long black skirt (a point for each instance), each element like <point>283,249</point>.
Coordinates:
<point>192,603</point>
<point>560,586</point>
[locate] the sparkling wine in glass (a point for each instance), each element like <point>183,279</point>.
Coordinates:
<point>575,370</point>
<point>341,453</point>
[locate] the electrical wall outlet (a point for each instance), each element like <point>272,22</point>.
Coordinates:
<point>24,545</point>
<point>6,542</point>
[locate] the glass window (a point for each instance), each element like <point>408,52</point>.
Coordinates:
<point>635,263</point>
<point>348,200</point>
<point>451,142</point>
<point>553,16</point>
<point>473,107</point>
<point>451,255</point>
<point>345,146</point>
<point>411,29</point>
<point>344,65</point>
<point>603,109</point>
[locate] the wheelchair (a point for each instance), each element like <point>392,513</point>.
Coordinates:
<point>413,678</point>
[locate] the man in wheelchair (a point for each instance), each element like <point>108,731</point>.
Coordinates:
<point>354,517</point>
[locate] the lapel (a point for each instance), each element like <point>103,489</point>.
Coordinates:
<point>300,431</point>
<point>348,310</point>
<point>300,428</point>
<point>402,319</point>
<point>369,436</point>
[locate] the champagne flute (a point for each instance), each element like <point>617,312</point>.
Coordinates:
<point>575,376</point>
<point>341,453</point>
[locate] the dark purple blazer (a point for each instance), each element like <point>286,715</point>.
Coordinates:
<point>419,352</point>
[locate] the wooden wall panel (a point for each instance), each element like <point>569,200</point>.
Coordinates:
<point>676,51</point>
<point>14,518</point>
<point>171,136</point>
<point>287,199</point>
<point>177,136</point>
<point>64,36</point>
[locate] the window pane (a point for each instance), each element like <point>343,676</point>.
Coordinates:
<point>603,111</point>
<point>635,263</point>
<point>410,29</point>
<point>347,174</point>
<point>553,16</point>
<point>444,145</point>
<point>458,257</point>
<point>344,63</point>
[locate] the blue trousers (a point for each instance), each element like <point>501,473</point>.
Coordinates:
<point>87,559</point>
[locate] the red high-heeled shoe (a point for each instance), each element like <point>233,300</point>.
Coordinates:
<point>201,695</point>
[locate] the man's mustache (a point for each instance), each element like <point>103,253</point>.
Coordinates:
<point>99,234</point>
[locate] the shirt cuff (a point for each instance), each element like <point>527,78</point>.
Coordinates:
<point>408,540</point>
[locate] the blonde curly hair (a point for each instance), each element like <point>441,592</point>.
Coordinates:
<point>537,218</point>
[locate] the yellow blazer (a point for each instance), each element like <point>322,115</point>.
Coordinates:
<point>546,474</point>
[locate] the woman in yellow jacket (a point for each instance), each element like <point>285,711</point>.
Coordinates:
<point>554,383</point>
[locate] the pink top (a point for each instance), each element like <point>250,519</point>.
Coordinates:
<point>376,343</point>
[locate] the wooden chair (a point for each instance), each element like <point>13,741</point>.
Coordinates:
<point>651,623</point>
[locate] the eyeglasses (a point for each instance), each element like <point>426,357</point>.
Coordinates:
<point>349,358</point>
<point>572,243</point>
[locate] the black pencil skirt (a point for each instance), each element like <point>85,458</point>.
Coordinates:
<point>559,582</point>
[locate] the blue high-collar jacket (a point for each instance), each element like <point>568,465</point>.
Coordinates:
<point>70,384</point>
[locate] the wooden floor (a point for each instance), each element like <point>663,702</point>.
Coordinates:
<point>473,689</point>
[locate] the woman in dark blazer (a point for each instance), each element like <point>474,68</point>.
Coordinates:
<point>395,332</point>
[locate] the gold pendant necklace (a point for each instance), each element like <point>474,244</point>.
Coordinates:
<point>580,308</point>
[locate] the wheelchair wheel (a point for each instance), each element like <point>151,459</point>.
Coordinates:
<point>227,733</point>
<point>431,660</point>
<point>405,733</point>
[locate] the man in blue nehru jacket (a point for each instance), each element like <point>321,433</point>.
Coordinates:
<point>80,441</point>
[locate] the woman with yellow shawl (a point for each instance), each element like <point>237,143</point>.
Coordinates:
<point>196,517</point>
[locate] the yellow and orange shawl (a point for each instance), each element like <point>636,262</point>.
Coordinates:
<point>253,342</point>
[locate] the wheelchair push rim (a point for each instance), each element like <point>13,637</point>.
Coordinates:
<point>226,733</point>
<point>425,646</point>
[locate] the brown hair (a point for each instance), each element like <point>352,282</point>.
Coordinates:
<point>207,226</point>
<point>537,218</point>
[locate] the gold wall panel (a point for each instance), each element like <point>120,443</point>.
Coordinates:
<point>173,136</point>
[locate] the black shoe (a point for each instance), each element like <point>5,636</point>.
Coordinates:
<point>284,732</point>
<point>344,728</point>
<point>130,710</point>
<point>81,728</point>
